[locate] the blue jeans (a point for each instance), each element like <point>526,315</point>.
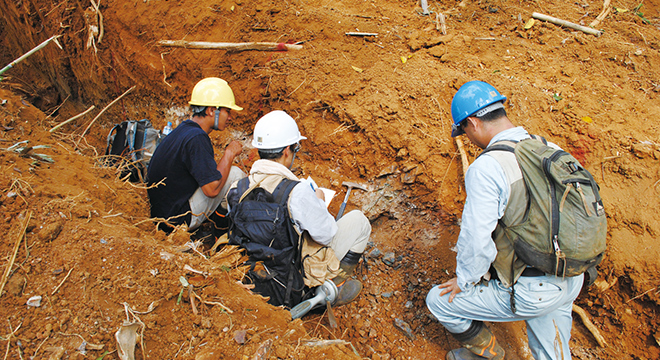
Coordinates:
<point>544,302</point>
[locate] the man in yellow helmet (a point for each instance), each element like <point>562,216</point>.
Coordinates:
<point>193,183</point>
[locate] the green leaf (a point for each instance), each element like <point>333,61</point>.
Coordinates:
<point>103,355</point>
<point>556,97</point>
<point>178,301</point>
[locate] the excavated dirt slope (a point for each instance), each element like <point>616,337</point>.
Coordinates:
<point>375,110</point>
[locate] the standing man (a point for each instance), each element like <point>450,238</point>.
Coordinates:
<point>486,265</point>
<point>193,183</point>
<point>317,248</point>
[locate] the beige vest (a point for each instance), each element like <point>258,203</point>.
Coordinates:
<point>508,266</point>
<point>319,262</point>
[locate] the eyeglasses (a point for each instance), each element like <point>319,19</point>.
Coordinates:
<point>458,128</point>
<point>297,148</point>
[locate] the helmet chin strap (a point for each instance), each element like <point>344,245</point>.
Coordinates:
<point>216,122</point>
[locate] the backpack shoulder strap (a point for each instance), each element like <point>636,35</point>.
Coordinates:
<point>242,187</point>
<point>283,189</point>
<point>504,145</point>
<point>540,138</point>
<point>111,137</point>
<point>510,145</point>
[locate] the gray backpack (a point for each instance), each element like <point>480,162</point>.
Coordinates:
<point>564,228</point>
<point>130,146</point>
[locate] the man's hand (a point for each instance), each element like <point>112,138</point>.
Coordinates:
<point>320,194</point>
<point>234,148</point>
<point>450,286</point>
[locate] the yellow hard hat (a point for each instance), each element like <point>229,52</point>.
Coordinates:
<point>213,91</point>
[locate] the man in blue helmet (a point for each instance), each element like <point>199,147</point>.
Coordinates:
<point>485,262</point>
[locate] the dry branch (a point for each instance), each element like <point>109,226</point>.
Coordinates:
<point>72,118</point>
<point>603,14</point>
<point>5,277</point>
<point>106,108</point>
<point>568,24</point>
<point>325,342</point>
<point>592,328</point>
<point>100,19</point>
<point>441,24</point>
<point>61,283</point>
<point>464,159</point>
<point>353,33</point>
<point>264,46</point>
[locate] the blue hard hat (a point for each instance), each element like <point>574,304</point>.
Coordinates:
<point>472,98</point>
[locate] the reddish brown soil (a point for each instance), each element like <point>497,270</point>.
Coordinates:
<point>370,117</point>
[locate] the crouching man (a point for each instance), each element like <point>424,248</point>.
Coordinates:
<point>492,283</point>
<point>294,243</point>
<point>193,183</point>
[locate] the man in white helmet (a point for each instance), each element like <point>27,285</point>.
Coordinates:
<point>193,183</point>
<point>319,248</point>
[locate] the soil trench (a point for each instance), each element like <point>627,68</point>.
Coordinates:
<point>375,110</point>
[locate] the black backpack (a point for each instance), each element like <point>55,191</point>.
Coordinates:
<point>130,146</point>
<point>261,224</point>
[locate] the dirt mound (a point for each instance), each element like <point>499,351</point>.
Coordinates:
<point>374,108</point>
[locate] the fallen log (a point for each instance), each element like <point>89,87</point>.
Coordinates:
<point>568,24</point>
<point>263,46</point>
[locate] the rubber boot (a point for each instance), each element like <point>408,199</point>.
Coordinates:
<point>479,343</point>
<point>347,292</point>
<point>346,267</point>
<point>348,289</point>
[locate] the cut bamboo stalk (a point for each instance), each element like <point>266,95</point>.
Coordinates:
<point>71,119</point>
<point>27,54</point>
<point>568,24</point>
<point>264,46</point>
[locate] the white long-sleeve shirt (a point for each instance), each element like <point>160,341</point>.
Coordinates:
<point>308,211</point>
<point>488,194</point>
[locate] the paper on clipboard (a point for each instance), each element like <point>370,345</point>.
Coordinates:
<point>328,194</point>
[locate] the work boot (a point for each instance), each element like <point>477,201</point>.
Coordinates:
<point>347,292</point>
<point>479,343</point>
<point>346,267</point>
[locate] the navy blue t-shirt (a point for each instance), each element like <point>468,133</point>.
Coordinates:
<point>185,160</point>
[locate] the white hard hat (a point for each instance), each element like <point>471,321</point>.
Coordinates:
<point>276,130</point>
